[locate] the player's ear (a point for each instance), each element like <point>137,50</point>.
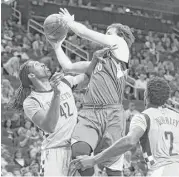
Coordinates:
<point>31,76</point>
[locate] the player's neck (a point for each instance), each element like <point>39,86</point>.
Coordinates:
<point>42,86</point>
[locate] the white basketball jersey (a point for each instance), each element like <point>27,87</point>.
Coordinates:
<point>160,143</point>
<point>67,117</point>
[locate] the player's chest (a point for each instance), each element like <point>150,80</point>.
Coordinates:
<point>111,69</point>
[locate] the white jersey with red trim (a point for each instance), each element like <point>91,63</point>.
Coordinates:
<point>68,113</point>
<point>160,142</point>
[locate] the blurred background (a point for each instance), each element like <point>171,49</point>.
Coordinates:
<point>155,24</point>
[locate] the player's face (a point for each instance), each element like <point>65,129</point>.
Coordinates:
<point>111,31</point>
<point>39,69</point>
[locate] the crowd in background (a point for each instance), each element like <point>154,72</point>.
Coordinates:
<point>152,54</point>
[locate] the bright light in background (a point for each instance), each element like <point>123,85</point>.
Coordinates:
<point>127,10</point>
<point>7,1</point>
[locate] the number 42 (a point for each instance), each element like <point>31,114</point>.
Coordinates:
<point>62,112</point>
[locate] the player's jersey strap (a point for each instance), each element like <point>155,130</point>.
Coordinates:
<point>66,82</point>
<point>145,143</point>
<point>33,98</point>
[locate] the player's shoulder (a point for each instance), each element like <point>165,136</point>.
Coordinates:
<point>29,101</point>
<point>150,111</point>
<point>68,80</point>
<point>172,112</point>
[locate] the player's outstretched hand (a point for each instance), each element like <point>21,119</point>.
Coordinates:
<point>82,162</point>
<point>55,81</point>
<point>65,15</point>
<point>99,54</point>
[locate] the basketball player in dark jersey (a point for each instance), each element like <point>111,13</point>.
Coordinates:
<point>101,121</point>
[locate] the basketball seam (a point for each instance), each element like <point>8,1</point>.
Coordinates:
<point>52,32</point>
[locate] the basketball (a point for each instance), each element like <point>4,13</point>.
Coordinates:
<point>54,27</point>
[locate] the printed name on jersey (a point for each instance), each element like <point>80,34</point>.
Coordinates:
<point>167,120</point>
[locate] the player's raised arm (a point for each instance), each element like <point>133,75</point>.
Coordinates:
<point>82,31</point>
<point>65,62</point>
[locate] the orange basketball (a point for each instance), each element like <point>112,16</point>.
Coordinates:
<point>54,27</point>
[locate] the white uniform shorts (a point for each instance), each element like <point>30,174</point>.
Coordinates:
<point>167,170</point>
<point>55,162</point>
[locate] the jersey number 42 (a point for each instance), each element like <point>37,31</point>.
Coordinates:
<point>65,110</point>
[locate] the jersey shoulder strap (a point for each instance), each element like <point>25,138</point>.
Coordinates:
<point>73,87</point>
<point>33,98</point>
<point>66,82</point>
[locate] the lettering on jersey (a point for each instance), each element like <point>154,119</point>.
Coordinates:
<point>167,120</point>
<point>65,96</point>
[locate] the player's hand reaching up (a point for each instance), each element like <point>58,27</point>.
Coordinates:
<point>65,15</point>
<point>82,162</point>
<point>55,81</point>
<point>100,53</point>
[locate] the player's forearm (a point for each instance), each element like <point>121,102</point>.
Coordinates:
<point>67,65</point>
<point>52,115</point>
<point>91,67</point>
<point>78,28</point>
<point>120,147</point>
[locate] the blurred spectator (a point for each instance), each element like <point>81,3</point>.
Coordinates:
<point>128,93</point>
<point>37,46</point>
<point>16,172</point>
<point>141,83</point>
<point>18,159</point>
<point>129,113</point>
<point>12,66</point>
<point>7,91</point>
<point>7,132</point>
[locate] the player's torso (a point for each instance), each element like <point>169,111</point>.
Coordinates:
<point>67,116</point>
<point>161,143</point>
<point>106,85</point>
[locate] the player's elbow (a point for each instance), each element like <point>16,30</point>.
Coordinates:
<point>47,127</point>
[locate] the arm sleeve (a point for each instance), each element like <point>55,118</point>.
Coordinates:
<point>138,121</point>
<point>31,107</point>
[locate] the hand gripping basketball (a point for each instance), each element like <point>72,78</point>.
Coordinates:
<point>55,28</point>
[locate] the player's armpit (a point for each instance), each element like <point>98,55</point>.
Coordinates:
<point>78,82</point>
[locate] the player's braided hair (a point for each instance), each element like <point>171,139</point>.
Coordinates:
<point>158,91</point>
<point>125,32</point>
<point>24,89</point>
